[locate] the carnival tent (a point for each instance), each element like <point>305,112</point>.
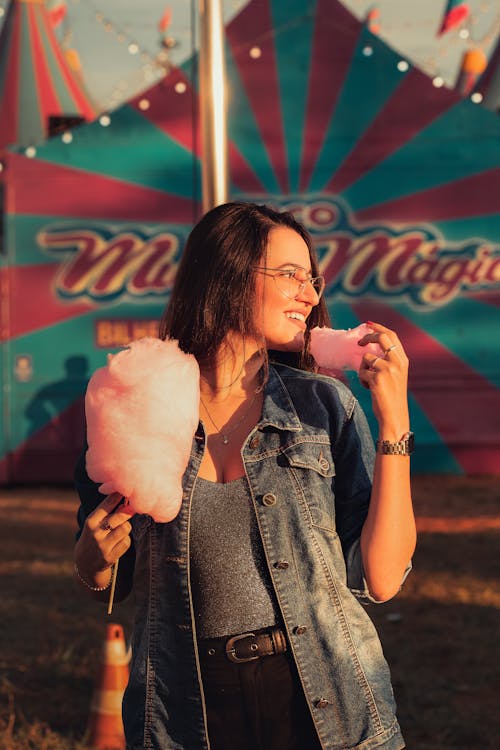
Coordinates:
<point>36,80</point>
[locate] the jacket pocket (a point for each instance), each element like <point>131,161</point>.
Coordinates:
<point>313,468</point>
<point>316,457</point>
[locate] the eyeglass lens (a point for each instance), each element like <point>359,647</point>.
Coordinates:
<point>291,287</point>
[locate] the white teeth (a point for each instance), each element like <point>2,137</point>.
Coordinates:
<point>296,316</point>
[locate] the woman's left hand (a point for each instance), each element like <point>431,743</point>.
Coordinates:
<point>386,376</point>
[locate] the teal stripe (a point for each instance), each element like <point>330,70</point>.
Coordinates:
<point>293,45</point>
<point>433,456</point>
<point>20,236</point>
<point>243,130</point>
<point>76,336</point>
<point>460,143</point>
<point>130,149</point>
<point>486,228</point>
<point>369,84</point>
<point>31,127</point>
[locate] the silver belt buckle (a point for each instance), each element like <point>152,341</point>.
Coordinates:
<point>231,651</point>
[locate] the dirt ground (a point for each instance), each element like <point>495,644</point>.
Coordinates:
<point>439,634</point>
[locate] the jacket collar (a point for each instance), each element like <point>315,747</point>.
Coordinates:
<point>278,409</point>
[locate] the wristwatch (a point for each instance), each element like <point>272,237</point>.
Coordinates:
<point>403,447</point>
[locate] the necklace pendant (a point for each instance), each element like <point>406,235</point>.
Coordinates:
<point>225,439</point>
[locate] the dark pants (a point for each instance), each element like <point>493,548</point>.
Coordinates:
<point>256,705</point>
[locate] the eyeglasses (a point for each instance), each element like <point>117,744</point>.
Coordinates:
<point>289,285</point>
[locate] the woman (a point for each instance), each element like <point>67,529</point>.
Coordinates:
<point>248,630</point>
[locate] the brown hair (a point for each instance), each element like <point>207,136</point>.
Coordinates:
<point>214,288</point>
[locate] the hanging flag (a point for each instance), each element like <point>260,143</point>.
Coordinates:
<point>57,13</point>
<point>473,65</point>
<point>165,20</point>
<point>456,12</point>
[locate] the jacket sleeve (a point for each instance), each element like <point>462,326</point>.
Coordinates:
<point>354,460</point>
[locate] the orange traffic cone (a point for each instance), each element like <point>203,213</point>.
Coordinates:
<point>105,727</point>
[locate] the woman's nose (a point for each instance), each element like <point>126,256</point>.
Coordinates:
<point>308,293</point>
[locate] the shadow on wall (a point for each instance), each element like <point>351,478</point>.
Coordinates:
<point>56,431</point>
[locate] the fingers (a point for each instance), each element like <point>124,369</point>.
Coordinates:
<point>109,514</point>
<point>388,341</point>
<point>373,365</point>
<point>106,533</point>
<point>390,365</point>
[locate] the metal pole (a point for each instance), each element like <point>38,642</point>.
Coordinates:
<point>214,167</point>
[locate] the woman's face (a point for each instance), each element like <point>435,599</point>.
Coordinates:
<point>282,321</point>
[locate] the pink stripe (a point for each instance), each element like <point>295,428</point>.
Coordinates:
<point>76,193</point>
<point>463,407</point>
<point>48,102</point>
<point>84,107</point>
<point>472,196</point>
<point>9,121</point>
<point>171,112</point>
<point>253,27</point>
<point>330,63</point>
<point>403,116</point>
<point>40,308</point>
<point>486,298</point>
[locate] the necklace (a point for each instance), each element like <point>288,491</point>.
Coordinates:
<point>225,435</point>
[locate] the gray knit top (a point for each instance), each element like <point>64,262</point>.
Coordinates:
<point>232,590</point>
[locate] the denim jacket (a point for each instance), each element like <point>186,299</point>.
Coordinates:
<point>309,464</point>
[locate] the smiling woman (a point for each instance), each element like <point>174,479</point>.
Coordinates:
<point>248,597</point>
<point>288,292</point>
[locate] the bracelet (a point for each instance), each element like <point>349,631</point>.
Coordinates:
<point>93,588</point>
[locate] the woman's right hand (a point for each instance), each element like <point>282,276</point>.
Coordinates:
<point>104,539</point>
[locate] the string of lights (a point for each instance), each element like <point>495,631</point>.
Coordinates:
<point>152,65</point>
<point>471,32</point>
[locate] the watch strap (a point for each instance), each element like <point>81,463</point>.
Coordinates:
<point>403,447</point>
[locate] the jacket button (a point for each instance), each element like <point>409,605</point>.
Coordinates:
<point>281,565</point>
<point>269,499</point>
<point>254,442</point>
<point>322,703</point>
<point>323,464</point>
<point>300,629</point>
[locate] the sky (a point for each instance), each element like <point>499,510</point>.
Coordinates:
<point>121,51</point>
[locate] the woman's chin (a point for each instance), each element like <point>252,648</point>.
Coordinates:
<point>296,344</point>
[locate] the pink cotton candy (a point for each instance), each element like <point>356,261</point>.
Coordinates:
<point>338,349</point>
<point>142,412</point>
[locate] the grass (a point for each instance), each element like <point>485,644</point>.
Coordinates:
<point>439,634</point>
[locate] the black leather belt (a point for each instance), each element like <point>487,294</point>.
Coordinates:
<point>245,646</point>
